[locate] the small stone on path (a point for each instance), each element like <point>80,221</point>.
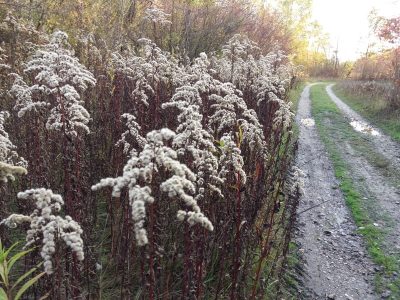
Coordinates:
<point>386,294</point>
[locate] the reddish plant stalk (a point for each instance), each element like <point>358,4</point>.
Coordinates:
<point>237,252</point>
<point>200,262</point>
<point>264,253</point>
<point>187,265</point>
<point>151,256</point>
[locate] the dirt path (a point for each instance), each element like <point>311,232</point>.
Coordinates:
<point>382,143</point>
<point>336,263</point>
<point>382,188</point>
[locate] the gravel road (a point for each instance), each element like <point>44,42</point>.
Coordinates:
<point>336,263</point>
<point>375,183</point>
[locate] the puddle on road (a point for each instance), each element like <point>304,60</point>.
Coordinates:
<point>308,122</point>
<point>364,128</point>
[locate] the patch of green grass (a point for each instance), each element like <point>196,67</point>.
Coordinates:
<point>331,126</point>
<point>295,93</point>
<point>373,109</point>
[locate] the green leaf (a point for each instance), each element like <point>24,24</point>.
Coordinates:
<point>16,257</point>
<point>3,295</point>
<point>27,285</point>
<point>2,253</point>
<point>10,249</point>
<point>3,272</point>
<point>19,280</point>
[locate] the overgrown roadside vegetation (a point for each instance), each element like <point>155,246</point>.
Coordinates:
<point>294,96</point>
<point>335,132</point>
<point>369,98</point>
<point>142,173</point>
<point>290,283</point>
<point>295,93</point>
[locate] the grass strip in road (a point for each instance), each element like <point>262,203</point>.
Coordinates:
<point>332,127</point>
<point>373,110</point>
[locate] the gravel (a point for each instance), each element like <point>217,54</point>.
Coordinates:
<point>335,258</point>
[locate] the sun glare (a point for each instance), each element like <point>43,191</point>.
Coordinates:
<point>347,23</point>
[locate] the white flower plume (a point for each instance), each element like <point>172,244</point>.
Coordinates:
<point>59,79</point>
<point>48,227</point>
<point>11,163</point>
<point>139,174</point>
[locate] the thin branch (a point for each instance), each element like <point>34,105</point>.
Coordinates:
<point>314,206</point>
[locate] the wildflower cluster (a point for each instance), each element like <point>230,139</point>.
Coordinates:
<point>48,227</point>
<point>139,176</point>
<point>58,80</point>
<point>10,162</point>
<point>193,143</point>
<point>156,15</point>
<point>191,158</point>
<point>295,181</point>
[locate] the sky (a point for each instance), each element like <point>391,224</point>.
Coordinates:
<point>346,21</point>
